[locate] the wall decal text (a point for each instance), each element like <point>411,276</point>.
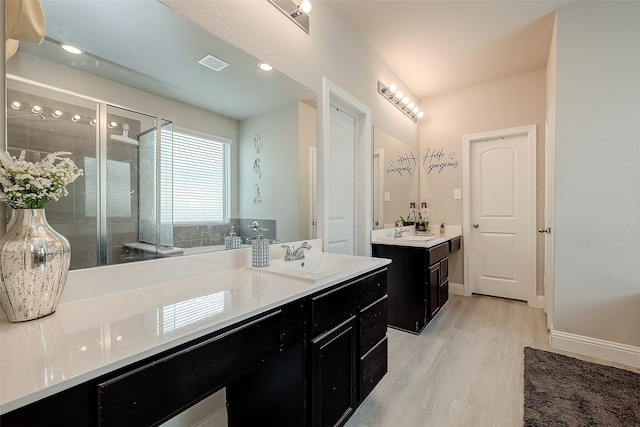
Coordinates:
<point>439,160</point>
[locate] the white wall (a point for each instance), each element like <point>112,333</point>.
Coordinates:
<point>279,183</point>
<point>506,103</point>
<point>332,49</point>
<point>597,280</point>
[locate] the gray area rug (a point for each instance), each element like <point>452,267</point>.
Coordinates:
<point>564,391</point>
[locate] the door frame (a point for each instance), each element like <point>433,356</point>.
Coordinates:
<point>467,140</point>
<point>334,95</point>
<point>549,214</point>
<point>378,199</point>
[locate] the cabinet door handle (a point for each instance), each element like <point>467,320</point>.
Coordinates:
<point>476,225</point>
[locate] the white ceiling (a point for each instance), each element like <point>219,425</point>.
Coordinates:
<point>441,46</point>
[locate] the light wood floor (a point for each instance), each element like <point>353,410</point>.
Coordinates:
<point>465,369</point>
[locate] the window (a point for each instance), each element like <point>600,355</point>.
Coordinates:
<point>201,174</point>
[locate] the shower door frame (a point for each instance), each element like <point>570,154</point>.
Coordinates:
<point>101,163</point>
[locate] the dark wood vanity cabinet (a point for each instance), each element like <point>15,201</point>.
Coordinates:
<point>348,347</point>
<point>418,283</point>
<point>309,362</point>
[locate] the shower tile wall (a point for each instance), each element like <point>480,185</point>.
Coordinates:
<point>74,216</point>
<point>40,135</point>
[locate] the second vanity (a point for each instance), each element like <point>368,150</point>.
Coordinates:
<point>137,344</point>
<point>418,277</point>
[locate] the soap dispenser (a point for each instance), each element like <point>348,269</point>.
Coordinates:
<point>232,241</point>
<point>260,250</point>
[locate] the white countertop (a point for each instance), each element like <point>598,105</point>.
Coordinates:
<point>385,236</point>
<point>113,316</point>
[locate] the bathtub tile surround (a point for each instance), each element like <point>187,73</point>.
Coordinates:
<point>191,236</point>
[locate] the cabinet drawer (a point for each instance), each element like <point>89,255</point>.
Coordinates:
<point>373,324</point>
<point>332,307</point>
<point>373,366</point>
<point>454,244</point>
<point>373,288</point>
<point>168,385</point>
<point>438,252</point>
<point>444,269</point>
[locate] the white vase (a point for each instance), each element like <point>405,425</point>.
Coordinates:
<point>34,262</point>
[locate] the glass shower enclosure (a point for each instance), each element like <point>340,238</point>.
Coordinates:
<point>120,210</point>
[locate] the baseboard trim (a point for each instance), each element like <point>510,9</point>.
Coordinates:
<point>538,302</point>
<point>456,288</point>
<point>594,347</point>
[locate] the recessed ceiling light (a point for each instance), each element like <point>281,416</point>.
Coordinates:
<point>265,67</point>
<point>71,49</point>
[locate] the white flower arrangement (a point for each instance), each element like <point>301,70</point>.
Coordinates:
<point>29,185</point>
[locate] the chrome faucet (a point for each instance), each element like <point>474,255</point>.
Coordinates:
<point>288,256</point>
<point>397,233</point>
<point>294,254</point>
<point>299,253</point>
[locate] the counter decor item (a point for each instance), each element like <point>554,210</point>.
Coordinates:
<point>422,225</point>
<point>260,250</point>
<point>34,258</point>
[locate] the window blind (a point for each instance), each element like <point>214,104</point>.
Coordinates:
<point>200,179</point>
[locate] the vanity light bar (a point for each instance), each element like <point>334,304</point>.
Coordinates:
<point>402,103</point>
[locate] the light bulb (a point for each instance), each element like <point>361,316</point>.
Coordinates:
<point>420,114</point>
<point>57,114</point>
<point>92,122</point>
<point>405,100</point>
<point>36,109</point>
<point>415,110</point>
<point>75,118</point>
<point>410,106</point>
<point>71,49</point>
<point>111,125</point>
<point>305,6</point>
<point>393,88</point>
<point>16,105</point>
<point>399,94</point>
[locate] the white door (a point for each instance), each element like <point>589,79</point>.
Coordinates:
<point>339,193</point>
<point>501,258</point>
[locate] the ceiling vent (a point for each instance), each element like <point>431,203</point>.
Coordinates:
<point>216,64</point>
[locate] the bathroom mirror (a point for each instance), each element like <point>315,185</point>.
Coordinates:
<point>146,68</point>
<point>396,179</point>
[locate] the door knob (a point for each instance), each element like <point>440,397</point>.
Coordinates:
<point>545,230</point>
<point>476,225</point>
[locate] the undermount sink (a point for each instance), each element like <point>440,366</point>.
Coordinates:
<point>412,238</point>
<point>419,238</point>
<point>313,268</point>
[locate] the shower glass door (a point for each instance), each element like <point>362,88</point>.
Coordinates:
<point>111,213</point>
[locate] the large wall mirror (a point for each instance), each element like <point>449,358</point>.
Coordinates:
<point>182,137</point>
<point>396,180</point>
